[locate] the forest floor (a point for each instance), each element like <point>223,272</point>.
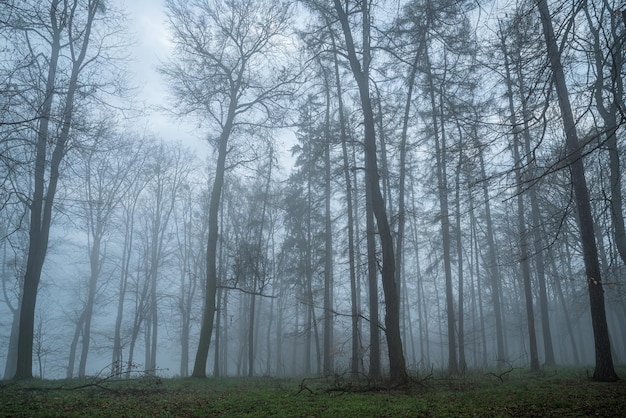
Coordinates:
<point>512,393</point>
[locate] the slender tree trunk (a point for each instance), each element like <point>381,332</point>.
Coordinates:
<point>442,187</point>
<point>355,344</point>
<point>402,184</point>
<point>131,349</point>
<point>361,74</point>
<point>422,306</point>
<point>206,329</point>
<point>9,368</point>
<point>74,344</point>
<point>223,366</point>
<point>328,367</point>
<point>372,275</point>
<point>566,314</point>
<point>268,341</point>
<point>310,314</point>
<point>251,331</point>
<point>94,262</point>
<point>218,342</point>
<point>604,369</point>
<point>536,226</point>
<point>125,273</point>
<point>459,255</point>
<point>476,251</point>
<point>525,262</point>
<point>521,223</point>
<point>221,341</point>
<point>39,226</point>
<point>43,197</point>
<point>492,262</point>
<point>316,337</point>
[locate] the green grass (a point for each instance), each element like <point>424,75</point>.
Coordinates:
<point>556,392</point>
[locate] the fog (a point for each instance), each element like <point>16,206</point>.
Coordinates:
<point>284,189</point>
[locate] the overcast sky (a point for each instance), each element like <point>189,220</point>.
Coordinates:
<point>147,24</point>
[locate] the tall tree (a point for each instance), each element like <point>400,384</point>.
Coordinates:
<point>190,227</point>
<point>107,174</point>
<point>604,369</point>
<point>355,343</point>
<point>228,74</point>
<point>361,72</point>
<point>444,215</point>
<point>168,169</point>
<point>58,37</point>
<point>127,218</point>
<point>328,367</point>
<point>521,221</point>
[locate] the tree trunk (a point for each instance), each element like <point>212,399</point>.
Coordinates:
<point>524,260</point>
<point>39,226</point>
<point>536,226</point>
<point>566,314</point>
<point>442,188</point>
<point>459,255</point>
<point>372,281</point>
<point>521,223</point>
<point>94,262</point>
<point>218,327</point>
<point>604,369</point>
<point>355,344</point>
<point>401,186</point>
<point>125,273</point>
<point>251,317</point>
<point>43,198</point>
<point>476,252</point>
<point>9,368</point>
<point>73,345</point>
<point>206,329</point>
<point>328,367</point>
<point>392,308</point>
<point>492,262</point>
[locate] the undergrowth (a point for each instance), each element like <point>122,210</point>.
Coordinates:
<point>512,393</point>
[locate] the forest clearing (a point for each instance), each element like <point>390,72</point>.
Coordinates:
<point>508,393</point>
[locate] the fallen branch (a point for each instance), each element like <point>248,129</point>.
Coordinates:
<point>502,375</point>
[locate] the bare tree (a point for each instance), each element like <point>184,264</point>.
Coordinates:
<point>360,66</point>
<point>228,73</point>
<point>604,369</point>
<point>108,173</point>
<point>608,62</point>
<point>521,222</point>
<point>60,41</point>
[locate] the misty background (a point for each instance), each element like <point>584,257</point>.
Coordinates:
<point>292,188</point>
